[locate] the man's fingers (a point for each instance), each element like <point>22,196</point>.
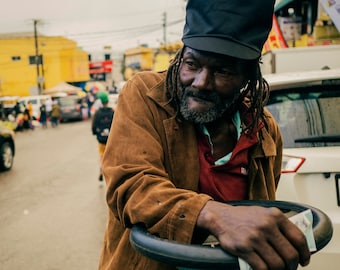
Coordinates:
<point>298,240</point>
<point>265,257</point>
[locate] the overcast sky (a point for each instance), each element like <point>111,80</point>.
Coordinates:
<point>121,24</point>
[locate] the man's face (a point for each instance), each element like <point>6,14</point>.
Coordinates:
<point>209,84</point>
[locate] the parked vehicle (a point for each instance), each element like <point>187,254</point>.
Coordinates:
<point>291,59</point>
<point>36,102</point>
<point>8,104</point>
<point>7,148</point>
<point>70,108</point>
<point>306,106</point>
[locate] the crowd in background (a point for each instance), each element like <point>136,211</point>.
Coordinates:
<point>21,118</point>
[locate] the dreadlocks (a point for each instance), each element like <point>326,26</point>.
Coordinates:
<point>172,82</point>
<point>256,91</point>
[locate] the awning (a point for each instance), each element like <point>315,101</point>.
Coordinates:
<point>281,4</point>
<point>64,88</point>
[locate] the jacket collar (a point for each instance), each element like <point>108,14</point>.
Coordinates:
<point>158,94</point>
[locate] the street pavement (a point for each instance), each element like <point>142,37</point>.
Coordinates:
<point>52,206</point>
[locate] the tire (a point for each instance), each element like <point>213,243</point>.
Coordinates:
<point>6,156</point>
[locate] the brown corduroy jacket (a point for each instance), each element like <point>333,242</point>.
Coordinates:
<point>151,169</point>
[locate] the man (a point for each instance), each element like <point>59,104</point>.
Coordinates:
<point>55,114</point>
<point>101,124</point>
<point>185,141</point>
<point>48,104</point>
<point>30,109</point>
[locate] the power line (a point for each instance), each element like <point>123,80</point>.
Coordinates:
<point>130,29</point>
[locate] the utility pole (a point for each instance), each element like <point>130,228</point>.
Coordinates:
<point>37,58</point>
<point>164,28</point>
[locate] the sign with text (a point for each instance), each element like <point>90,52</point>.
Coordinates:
<point>101,67</point>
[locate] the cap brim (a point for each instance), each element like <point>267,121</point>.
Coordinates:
<point>221,46</point>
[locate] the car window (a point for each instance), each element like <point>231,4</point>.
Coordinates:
<point>307,117</point>
<point>68,101</point>
<point>33,101</point>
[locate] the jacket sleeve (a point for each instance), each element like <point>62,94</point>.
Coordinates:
<point>139,188</point>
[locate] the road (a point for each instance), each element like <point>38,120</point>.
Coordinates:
<point>52,207</point>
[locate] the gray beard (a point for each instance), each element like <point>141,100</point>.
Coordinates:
<point>221,106</point>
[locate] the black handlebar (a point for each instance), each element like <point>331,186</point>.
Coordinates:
<point>207,257</point>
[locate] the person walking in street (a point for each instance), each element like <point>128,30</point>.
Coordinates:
<point>30,109</point>
<point>43,115</point>
<point>48,104</point>
<point>185,141</point>
<point>101,124</point>
<point>90,100</point>
<point>55,114</point>
<point>27,120</point>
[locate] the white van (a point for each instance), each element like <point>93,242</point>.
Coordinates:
<point>36,101</point>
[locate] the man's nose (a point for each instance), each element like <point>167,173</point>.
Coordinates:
<point>203,79</point>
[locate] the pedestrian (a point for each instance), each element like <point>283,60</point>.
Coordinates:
<point>55,114</point>
<point>101,124</point>
<point>185,141</point>
<point>90,101</point>
<point>43,115</point>
<point>26,119</point>
<point>29,107</point>
<point>18,108</point>
<point>48,104</point>
<point>2,112</point>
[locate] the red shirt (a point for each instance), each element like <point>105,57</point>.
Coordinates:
<point>229,180</point>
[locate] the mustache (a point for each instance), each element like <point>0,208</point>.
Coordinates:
<point>201,94</point>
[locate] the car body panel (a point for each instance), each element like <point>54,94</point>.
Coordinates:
<point>330,157</point>
<point>302,78</point>
<point>306,106</point>
<point>7,148</point>
<point>70,108</point>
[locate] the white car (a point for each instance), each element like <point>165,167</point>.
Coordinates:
<point>306,106</point>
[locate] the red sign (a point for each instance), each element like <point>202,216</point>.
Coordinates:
<point>101,67</point>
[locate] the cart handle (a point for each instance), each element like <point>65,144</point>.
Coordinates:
<point>207,257</point>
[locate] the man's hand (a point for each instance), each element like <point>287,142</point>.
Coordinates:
<point>263,237</point>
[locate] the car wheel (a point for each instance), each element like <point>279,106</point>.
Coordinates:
<point>6,156</point>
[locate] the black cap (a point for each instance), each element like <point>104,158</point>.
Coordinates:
<point>237,28</point>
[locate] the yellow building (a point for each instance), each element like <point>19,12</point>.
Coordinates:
<point>137,59</point>
<point>59,60</point>
<point>143,58</point>
<point>164,55</point>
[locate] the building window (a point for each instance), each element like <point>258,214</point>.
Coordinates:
<point>16,58</point>
<point>107,56</point>
<point>32,60</point>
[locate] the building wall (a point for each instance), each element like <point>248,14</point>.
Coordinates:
<point>62,61</point>
<point>116,75</point>
<point>156,59</point>
<point>137,59</point>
